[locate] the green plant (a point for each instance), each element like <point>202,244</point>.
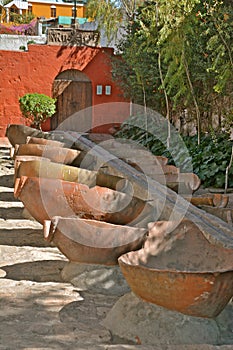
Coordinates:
<point>37,108</point>
<point>22,19</point>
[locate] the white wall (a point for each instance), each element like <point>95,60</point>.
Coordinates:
<point>14,42</point>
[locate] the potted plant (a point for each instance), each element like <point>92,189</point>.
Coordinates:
<point>37,108</point>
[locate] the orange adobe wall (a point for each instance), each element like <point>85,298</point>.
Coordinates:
<point>35,70</point>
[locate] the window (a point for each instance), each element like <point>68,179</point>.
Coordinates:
<point>99,90</point>
<point>108,89</point>
<point>53,11</point>
<point>29,8</point>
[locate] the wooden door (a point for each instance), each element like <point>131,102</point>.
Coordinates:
<point>73,91</point>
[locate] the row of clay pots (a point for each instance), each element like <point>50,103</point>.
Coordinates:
<point>160,261</point>
<point>52,192</point>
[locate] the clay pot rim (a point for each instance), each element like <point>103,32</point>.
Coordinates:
<point>50,227</point>
<point>124,259</point>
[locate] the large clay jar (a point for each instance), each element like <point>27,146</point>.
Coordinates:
<point>45,198</point>
<point>179,269</point>
<point>91,241</point>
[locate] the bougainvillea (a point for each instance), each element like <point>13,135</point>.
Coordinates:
<point>21,29</point>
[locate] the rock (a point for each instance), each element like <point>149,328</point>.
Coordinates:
<point>100,279</point>
<point>133,319</point>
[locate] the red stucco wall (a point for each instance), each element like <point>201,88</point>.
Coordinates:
<point>36,69</point>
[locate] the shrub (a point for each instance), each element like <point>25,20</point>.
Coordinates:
<point>37,108</point>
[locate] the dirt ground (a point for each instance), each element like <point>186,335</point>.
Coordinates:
<point>39,310</point>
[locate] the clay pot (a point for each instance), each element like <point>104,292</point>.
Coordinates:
<point>45,198</point>
<point>91,241</point>
<point>41,141</point>
<point>179,269</point>
<point>52,170</point>
<point>17,133</point>
<point>214,200</point>
<point>20,159</point>
<point>55,154</point>
<point>133,153</point>
<point>182,182</point>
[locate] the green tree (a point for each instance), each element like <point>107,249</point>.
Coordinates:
<point>184,50</point>
<point>37,108</point>
<point>111,14</point>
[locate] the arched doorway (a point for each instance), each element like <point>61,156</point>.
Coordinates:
<point>73,91</point>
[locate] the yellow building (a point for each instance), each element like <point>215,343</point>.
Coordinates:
<point>47,9</point>
<point>53,9</point>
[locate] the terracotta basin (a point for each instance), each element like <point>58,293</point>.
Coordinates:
<point>180,270</point>
<point>45,198</point>
<point>41,141</point>
<point>91,241</point>
<point>55,154</point>
<point>36,168</point>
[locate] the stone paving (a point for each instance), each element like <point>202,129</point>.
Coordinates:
<point>38,309</point>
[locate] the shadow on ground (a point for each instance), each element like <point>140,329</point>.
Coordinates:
<point>23,237</point>
<point>37,271</point>
<point>7,180</point>
<point>15,213</point>
<point>8,197</point>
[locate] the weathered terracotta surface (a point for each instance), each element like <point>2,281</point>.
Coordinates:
<point>183,183</point>
<point>17,133</point>
<point>226,214</point>
<point>42,141</point>
<point>178,268</point>
<point>20,159</point>
<point>91,241</point>
<point>170,176</point>
<point>132,152</point>
<point>153,166</point>
<point>160,169</point>
<point>45,198</point>
<point>55,154</point>
<point>36,168</point>
<point>214,200</point>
